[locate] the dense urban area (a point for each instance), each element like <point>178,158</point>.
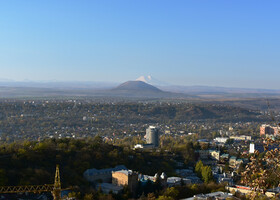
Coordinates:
<point>164,150</point>
<point>37,120</point>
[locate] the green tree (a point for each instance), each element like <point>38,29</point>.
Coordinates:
<point>165,198</point>
<point>171,192</point>
<point>206,173</point>
<point>74,194</point>
<point>198,168</point>
<point>151,196</point>
<point>263,172</point>
<point>88,197</point>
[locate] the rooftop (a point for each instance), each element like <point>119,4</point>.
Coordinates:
<point>93,171</point>
<point>220,195</point>
<point>126,172</point>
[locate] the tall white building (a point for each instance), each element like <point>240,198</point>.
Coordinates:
<point>252,148</point>
<point>152,136</point>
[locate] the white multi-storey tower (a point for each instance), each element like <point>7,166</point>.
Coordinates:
<point>152,136</point>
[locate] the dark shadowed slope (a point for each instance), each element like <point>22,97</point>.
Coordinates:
<point>136,86</point>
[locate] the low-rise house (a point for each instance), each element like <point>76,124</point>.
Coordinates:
<point>194,179</point>
<point>232,161</point>
<point>224,158</point>
<point>174,181</point>
<point>214,154</point>
<point>222,140</point>
<point>184,172</point>
<point>146,178</point>
<point>214,195</point>
<point>223,178</point>
<point>188,176</point>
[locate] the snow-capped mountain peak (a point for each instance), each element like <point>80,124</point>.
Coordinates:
<point>151,80</point>
<point>144,79</point>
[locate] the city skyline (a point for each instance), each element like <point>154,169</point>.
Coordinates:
<point>217,43</point>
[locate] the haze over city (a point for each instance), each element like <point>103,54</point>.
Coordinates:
<point>214,43</point>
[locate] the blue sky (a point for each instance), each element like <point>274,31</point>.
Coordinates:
<point>231,43</point>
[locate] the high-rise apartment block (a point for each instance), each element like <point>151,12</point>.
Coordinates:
<point>269,130</point>
<point>152,136</point>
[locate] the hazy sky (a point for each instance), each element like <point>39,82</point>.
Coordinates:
<point>189,42</point>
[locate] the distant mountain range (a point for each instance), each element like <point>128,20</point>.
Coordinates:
<point>136,89</point>
<point>59,84</point>
<point>216,90</point>
<point>141,87</point>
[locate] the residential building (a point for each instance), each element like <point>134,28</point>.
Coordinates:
<point>152,136</point>
<point>224,156</point>
<point>174,181</point>
<point>101,175</point>
<point>234,162</point>
<point>214,154</point>
<point>214,195</point>
<point>247,190</point>
<point>221,139</point>
<point>125,177</point>
<point>241,137</point>
<point>266,129</point>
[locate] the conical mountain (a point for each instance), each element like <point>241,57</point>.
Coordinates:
<point>137,86</point>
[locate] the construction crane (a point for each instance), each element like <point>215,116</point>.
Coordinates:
<point>55,188</point>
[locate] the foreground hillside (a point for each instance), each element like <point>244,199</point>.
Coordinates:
<point>33,163</point>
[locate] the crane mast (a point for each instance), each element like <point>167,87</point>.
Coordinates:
<point>55,188</point>
<point>57,185</point>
